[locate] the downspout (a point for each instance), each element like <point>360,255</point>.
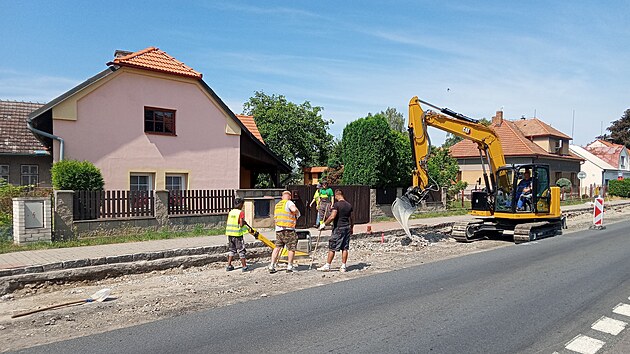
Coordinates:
<point>48,135</point>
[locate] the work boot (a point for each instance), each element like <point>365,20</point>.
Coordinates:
<point>272,269</point>
<point>289,269</point>
<point>245,269</point>
<point>229,268</point>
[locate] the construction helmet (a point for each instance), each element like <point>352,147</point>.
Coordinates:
<point>238,201</point>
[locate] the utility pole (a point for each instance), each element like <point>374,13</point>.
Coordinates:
<point>573,126</point>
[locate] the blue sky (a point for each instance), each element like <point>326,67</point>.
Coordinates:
<point>548,58</point>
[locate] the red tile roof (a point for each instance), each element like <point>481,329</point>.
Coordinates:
<point>606,151</point>
<point>250,124</point>
<point>15,138</point>
<point>156,60</point>
<point>535,127</point>
<point>513,142</point>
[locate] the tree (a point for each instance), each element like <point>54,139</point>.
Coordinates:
<point>370,152</point>
<point>334,174</point>
<point>296,132</point>
<point>620,130</point>
<point>395,119</point>
<point>443,169</point>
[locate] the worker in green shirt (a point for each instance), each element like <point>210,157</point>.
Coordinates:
<point>326,196</point>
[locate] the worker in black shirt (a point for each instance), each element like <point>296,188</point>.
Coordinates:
<point>341,217</point>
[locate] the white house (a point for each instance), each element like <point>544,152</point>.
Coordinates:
<point>604,161</point>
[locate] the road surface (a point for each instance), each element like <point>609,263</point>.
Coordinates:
<point>531,298</point>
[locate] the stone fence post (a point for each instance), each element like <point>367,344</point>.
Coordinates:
<point>161,208</point>
<point>64,215</point>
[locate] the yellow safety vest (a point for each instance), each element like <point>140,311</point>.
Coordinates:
<point>231,226</point>
<point>282,217</point>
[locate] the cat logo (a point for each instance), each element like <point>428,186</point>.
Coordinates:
<point>466,130</point>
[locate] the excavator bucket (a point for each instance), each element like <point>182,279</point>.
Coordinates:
<point>402,210</point>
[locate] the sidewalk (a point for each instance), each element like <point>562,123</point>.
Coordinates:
<point>38,261</point>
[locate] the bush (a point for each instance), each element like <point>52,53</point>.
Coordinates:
<point>76,176</point>
<point>564,184</point>
<point>619,188</point>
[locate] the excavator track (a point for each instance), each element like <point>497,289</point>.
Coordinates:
<point>466,231</point>
<point>536,230</point>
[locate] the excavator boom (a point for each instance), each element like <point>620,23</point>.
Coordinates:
<point>450,122</point>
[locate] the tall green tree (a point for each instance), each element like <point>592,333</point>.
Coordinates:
<point>296,132</point>
<point>395,119</point>
<point>374,154</point>
<point>620,130</point>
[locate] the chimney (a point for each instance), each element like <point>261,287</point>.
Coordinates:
<point>121,53</point>
<point>498,118</point>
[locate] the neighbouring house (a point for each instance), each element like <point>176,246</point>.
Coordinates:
<point>603,161</point>
<point>313,175</point>
<point>150,122</point>
<point>24,160</point>
<point>523,141</point>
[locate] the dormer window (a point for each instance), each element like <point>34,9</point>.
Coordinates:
<point>623,162</point>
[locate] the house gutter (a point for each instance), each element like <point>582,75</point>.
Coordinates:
<point>48,135</point>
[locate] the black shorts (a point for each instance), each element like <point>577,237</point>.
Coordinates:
<point>340,239</point>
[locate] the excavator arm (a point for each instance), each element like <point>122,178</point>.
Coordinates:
<point>490,151</point>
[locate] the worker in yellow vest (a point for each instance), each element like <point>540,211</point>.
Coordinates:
<point>285,215</point>
<point>235,229</point>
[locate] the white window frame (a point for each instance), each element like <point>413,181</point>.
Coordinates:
<point>135,186</point>
<point>5,175</point>
<point>182,182</point>
<point>30,175</point>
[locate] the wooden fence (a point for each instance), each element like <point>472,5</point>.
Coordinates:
<point>358,196</point>
<point>181,202</point>
<point>90,205</point>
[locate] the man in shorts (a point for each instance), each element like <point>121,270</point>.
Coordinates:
<point>285,216</point>
<point>341,217</point>
<point>235,229</point>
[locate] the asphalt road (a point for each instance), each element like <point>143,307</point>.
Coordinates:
<point>529,298</point>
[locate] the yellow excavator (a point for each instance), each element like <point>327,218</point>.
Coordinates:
<point>518,200</point>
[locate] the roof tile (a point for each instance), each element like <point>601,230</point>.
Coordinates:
<point>157,60</point>
<point>606,151</point>
<point>513,142</point>
<point>250,124</point>
<point>535,127</point>
<point>15,138</point>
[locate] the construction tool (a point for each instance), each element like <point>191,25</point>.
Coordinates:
<point>98,296</point>
<point>310,266</point>
<point>260,237</point>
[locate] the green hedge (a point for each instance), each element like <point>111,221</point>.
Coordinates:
<point>76,176</point>
<point>619,188</point>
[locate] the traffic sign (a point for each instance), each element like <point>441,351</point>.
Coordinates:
<point>581,175</point>
<point>598,214</point>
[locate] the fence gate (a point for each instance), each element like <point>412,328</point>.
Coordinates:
<point>358,196</point>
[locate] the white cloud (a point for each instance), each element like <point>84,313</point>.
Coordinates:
<point>22,86</point>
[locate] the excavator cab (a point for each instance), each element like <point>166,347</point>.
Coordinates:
<point>522,189</point>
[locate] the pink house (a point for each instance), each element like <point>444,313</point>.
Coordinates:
<point>149,121</point>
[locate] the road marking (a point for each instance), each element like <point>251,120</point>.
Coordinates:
<point>609,325</point>
<point>584,344</point>
<point>622,309</point>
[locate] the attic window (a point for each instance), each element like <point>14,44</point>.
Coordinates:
<point>159,121</point>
